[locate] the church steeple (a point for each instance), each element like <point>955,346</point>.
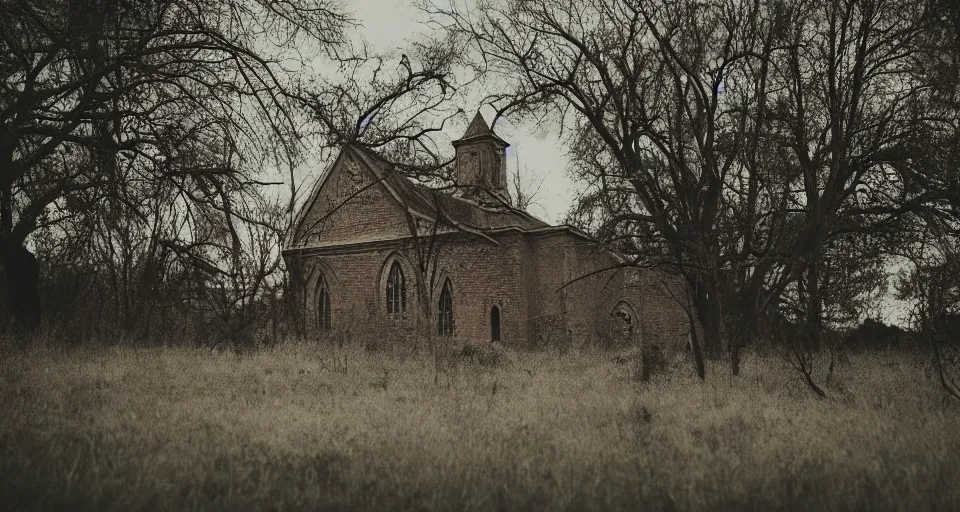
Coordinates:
<point>481,165</point>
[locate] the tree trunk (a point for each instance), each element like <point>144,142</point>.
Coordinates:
<point>814,309</point>
<point>744,324</point>
<point>20,266</point>
<point>706,301</point>
<point>742,335</point>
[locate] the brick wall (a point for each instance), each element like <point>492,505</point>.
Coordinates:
<point>524,275</point>
<point>481,274</point>
<point>665,322</point>
<point>582,312</point>
<point>370,214</point>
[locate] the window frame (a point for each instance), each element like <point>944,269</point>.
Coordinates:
<point>445,321</point>
<point>396,291</point>
<point>324,306</point>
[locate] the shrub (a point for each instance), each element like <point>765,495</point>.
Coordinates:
<point>648,361</point>
<point>875,335</point>
<point>483,354</point>
<point>653,361</point>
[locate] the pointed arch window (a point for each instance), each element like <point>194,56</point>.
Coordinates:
<point>445,310</point>
<point>623,324</point>
<point>324,311</point>
<point>396,291</point>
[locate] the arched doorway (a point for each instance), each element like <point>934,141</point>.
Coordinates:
<point>495,324</point>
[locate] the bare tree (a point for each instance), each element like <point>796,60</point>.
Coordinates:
<point>932,285</point>
<point>526,194</point>
<point>107,94</point>
<point>725,141</point>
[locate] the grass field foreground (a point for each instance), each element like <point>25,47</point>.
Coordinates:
<point>310,427</point>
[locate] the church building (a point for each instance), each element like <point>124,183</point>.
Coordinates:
<point>382,259</point>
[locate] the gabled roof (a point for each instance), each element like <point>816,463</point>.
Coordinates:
<point>424,201</point>
<point>427,201</point>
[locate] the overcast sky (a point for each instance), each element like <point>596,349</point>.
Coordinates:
<point>387,24</point>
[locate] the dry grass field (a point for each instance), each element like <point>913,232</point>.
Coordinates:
<point>302,427</point>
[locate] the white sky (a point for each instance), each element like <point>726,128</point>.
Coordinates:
<point>387,24</point>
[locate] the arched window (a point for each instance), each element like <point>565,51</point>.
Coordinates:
<point>495,324</point>
<point>324,313</point>
<point>396,291</point>
<point>445,310</point>
<point>622,326</point>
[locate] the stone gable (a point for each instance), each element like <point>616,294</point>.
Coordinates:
<point>351,204</point>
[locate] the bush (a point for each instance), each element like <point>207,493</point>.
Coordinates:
<point>483,354</point>
<point>875,335</point>
<point>649,361</point>
<point>653,361</point>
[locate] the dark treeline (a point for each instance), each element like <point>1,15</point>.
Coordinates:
<point>148,148</point>
<point>779,155</point>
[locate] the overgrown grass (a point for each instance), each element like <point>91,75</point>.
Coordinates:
<point>305,427</point>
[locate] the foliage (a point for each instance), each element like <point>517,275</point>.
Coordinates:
<point>743,146</point>
<point>875,335</point>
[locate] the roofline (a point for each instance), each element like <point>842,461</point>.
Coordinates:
<point>358,246</point>
<point>491,135</point>
<point>305,207</point>
<point>386,242</point>
<point>289,246</point>
<point>431,216</point>
<point>358,151</point>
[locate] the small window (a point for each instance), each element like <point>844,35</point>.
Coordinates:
<point>495,324</point>
<point>324,313</point>
<point>445,310</point>
<point>396,291</point>
<point>622,328</point>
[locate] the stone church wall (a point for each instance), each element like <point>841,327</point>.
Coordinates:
<point>582,312</point>
<point>481,274</point>
<point>359,309</point>
<point>484,275</point>
<point>350,222</point>
<point>527,276</point>
<point>523,277</point>
<point>665,321</point>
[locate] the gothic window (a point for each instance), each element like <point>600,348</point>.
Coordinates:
<point>622,325</point>
<point>324,313</point>
<point>445,310</point>
<point>396,291</point>
<point>495,324</point>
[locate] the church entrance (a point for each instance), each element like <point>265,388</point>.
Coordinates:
<point>495,324</point>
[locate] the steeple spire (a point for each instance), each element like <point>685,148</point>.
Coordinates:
<point>477,127</point>
<point>481,165</point>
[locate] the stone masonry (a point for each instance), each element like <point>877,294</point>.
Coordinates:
<point>549,284</point>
